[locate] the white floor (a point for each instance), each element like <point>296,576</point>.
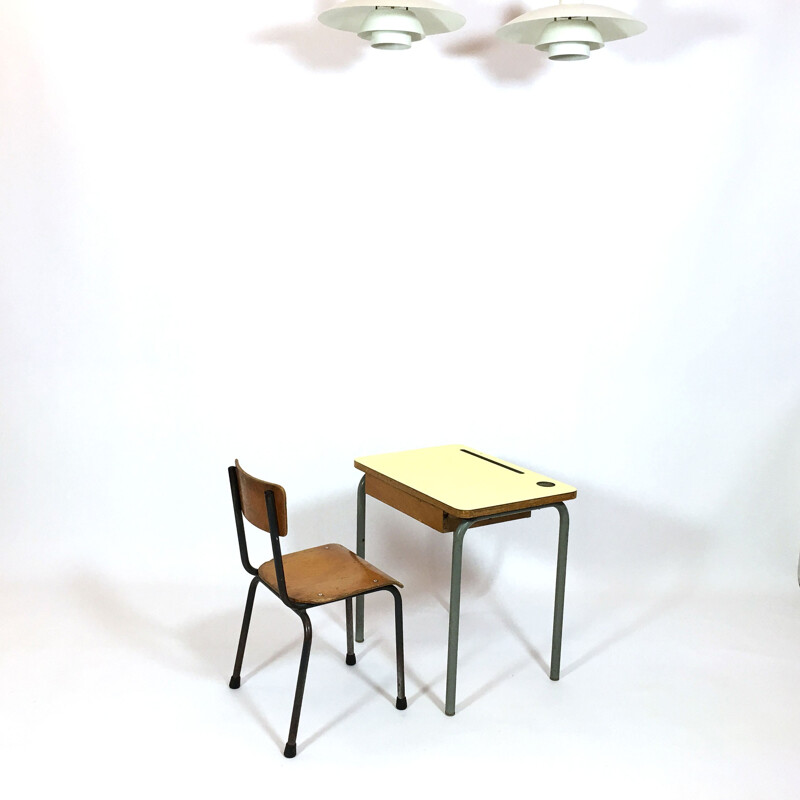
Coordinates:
<point>118,688</point>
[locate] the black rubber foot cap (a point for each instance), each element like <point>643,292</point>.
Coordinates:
<point>350,659</point>
<point>401,703</point>
<point>235,683</point>
<point>290,750</point>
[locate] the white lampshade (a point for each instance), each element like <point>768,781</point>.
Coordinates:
<point>392,27</point>
<point>569,31</point>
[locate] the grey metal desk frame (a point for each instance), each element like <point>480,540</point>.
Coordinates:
<point>455,586</point>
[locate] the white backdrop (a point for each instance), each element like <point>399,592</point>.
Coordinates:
<point>227,231</point>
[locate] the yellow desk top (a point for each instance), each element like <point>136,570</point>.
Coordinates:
<point>463,481</point>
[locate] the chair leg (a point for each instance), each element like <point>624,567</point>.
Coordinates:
<point>401,703</point>
<point>350,658</point>
<point>361,543</point>
<point>290,751</point>
<point>235,681</point>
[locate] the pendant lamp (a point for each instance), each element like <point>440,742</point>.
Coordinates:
<point>392,27</point>
<point>570,31</point>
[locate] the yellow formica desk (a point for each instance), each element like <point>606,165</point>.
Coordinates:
<point>452,489</point>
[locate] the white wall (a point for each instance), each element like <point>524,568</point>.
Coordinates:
<point>227,231</point>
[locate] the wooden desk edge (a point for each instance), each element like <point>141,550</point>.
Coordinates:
<point>465,513</point>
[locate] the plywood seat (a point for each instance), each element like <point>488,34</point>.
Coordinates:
<point>324,574</point>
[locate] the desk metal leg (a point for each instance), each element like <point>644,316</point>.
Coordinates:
<point>361,514</point>
<point>561,577</point>
<point>455,612</point>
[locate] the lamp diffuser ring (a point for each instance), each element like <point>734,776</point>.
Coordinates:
<point>569,39</point>
<point>391,28</point>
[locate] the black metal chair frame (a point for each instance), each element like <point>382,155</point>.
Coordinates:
<point>300,609</point>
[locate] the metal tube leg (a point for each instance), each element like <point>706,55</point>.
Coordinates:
<point>350,658</point>
<point>290,751</point>
<point>235,681</point>
<point>455,611</point>
<point>401,703</point>
<point>361,513</point>
<point>561,577</point>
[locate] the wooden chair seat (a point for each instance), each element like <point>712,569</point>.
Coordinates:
<point>324,574</point>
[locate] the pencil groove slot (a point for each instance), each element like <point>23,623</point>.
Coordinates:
<point>492,461</point>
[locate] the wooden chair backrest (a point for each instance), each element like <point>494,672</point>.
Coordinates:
<point>254,507</point>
